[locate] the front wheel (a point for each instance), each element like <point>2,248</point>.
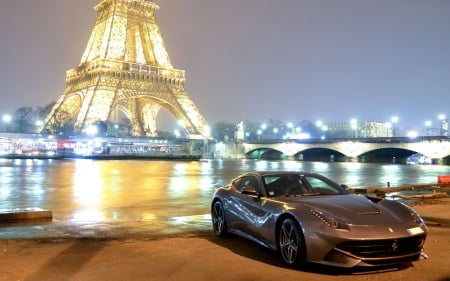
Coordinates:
<point>218,219</point>
<point>291,243</point>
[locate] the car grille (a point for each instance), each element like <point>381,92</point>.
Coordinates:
<point>385,248</point>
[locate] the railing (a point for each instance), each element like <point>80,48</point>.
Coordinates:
<point>361,140</point>
<point>107,64</point>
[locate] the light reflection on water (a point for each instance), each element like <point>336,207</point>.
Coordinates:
<point>94,191</point>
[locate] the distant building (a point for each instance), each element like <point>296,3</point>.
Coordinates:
<point>363,129</point>
<point>444,127</point>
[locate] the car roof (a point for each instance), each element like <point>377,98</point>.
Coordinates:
<point>267,173</point>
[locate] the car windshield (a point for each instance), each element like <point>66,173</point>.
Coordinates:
<point>299,185</point>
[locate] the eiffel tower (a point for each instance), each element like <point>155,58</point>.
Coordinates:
<point>125,69</point>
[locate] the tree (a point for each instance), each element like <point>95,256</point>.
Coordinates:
<point>23,120</point>
<point>223,131</point>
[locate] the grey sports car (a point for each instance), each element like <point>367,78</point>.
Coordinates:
<point>307,217</point>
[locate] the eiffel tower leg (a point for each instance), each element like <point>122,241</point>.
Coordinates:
<point>96,105</point>
<point>149,113</point>
<point>62,112</point>
<point>134,117</point>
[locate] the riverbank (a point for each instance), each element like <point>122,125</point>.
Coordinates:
<point>413,192</point>
<point>202,256</point>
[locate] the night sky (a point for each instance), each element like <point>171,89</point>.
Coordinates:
<point>256,60</point>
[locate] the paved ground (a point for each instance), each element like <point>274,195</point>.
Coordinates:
<point>201,257</point>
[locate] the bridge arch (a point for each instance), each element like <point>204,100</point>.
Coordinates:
<point>364,150</point>
<point>266,153</point>
<point>320,154</point>
<point>387,155</point>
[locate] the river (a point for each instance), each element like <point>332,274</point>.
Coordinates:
<point>158,192</point>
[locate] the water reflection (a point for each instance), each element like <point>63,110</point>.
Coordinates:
<point>179,192</point>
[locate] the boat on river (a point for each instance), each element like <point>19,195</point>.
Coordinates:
<point>136,156</point>
<point>23,146</point>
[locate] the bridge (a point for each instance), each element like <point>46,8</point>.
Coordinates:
<point>396,150</point>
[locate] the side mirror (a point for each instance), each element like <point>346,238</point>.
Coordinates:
<point>344,186</point>
<point>249,190</point>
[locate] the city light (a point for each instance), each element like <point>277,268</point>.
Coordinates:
<point>388,127</point>
<point>319,123</point>
<point>181,124</point>
<point>354,126</point>
<point>412,134</point>
<point>7,118</point>
<point>92,130</point>
<point>394,120</point>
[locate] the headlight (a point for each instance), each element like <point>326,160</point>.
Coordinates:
<point>330,221</point>
<point>416,217</point>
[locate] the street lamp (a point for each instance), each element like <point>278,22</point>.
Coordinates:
<point>290,129</point>
<point>181,124</point>
<point>394,120</point>
<point>388,127</point>
<point>412,134</point>
<point>324,131</point>
<point>275,132</point>
<point>319,123</point>
<point>259,132</point>
<point>6,119</point>
<point>354,125</point>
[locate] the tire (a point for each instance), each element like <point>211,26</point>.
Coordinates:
<point>291,244</point>
<point>218,219</point>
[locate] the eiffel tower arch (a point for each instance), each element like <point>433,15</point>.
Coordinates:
<point>125,69</point>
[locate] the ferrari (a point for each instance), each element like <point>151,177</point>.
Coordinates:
<point>309,218</point>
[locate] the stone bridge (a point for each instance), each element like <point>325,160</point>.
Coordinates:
<point>436,149</point>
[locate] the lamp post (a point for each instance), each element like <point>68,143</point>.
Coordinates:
<point>263,128</point>
<point>427,126</point>
<point>354,126</point>
<point>319,125</point>
<point>388,127</point>
<point>275,132</point>
<point>324,131</point>
<point>443,122</point>
<point>7,120</point>
<point>394,120</point>
<point>290,129</point>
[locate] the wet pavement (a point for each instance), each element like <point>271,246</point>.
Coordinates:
<point>41,229</point>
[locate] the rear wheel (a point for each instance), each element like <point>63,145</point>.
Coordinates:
<point>218,219</point>
<point>291,243</point>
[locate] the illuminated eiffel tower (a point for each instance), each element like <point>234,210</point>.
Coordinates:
<point>125,69</point>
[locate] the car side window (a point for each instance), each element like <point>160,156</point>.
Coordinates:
<point>250,181</point>
<point>237,184</point>
<point>283,185</point>
<point>320,186</point>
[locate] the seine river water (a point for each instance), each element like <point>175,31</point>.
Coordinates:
<point>98,191</point>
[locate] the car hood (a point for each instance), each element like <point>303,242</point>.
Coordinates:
<point>356,210</point>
